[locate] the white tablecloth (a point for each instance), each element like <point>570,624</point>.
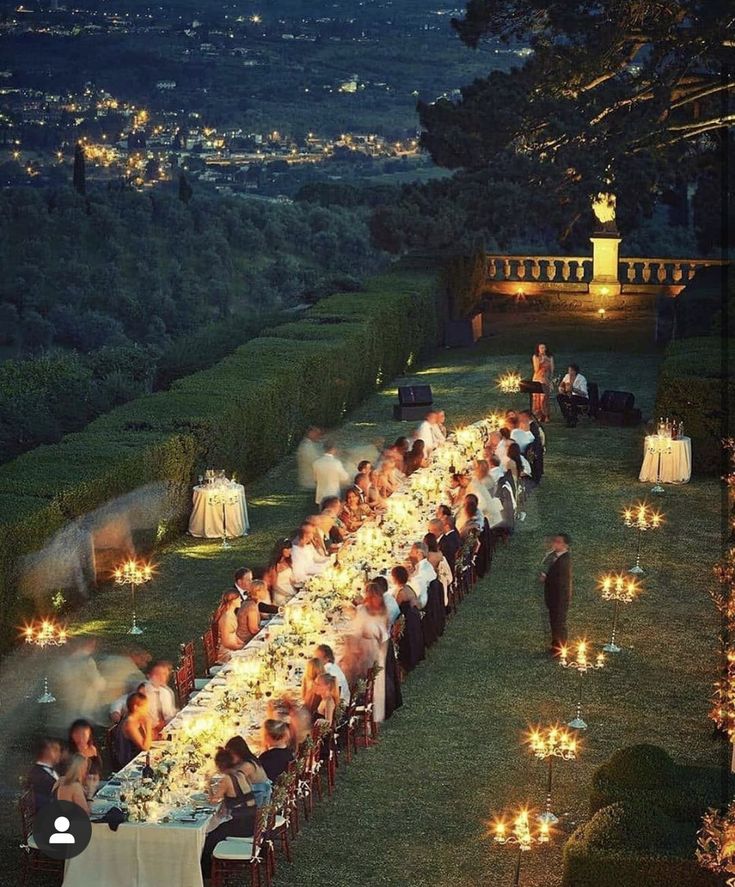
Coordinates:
<point>217,509</point>
<point>140,854</point>
<point>666,461</point>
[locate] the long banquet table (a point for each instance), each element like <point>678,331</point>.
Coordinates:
<point>162,840</point>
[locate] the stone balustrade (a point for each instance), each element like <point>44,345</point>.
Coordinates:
<point>540,269</point>
<point>661,271</point>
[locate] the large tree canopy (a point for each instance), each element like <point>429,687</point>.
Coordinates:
<point>623,93</point>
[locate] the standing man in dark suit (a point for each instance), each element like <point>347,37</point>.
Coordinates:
<point>447,536</point>
<point>556,575</point>
<point>42,777</point>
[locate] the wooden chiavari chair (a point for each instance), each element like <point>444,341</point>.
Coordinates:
<point>32,859</point>
<point>231,856</point>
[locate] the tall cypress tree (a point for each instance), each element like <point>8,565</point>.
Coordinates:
<point>185,189</point>
<point>80,180</point>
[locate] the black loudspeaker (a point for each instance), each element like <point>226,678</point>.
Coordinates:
<point>415,395</point>
<point>616,401</point>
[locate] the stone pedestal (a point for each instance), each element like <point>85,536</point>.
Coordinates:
<point>605,280</point>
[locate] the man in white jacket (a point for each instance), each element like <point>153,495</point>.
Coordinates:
<point>329,474</point>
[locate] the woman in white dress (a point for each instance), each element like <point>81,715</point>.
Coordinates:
<point>370,629</point>
<point>279,575</point>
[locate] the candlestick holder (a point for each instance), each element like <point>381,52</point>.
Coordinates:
<point>643,518</point>
<point>45,633</point>
<point>622,590</point>
<point>582,664</point>
<point>510,382</point>
<point>133,573</point>
<point>522,835</point>
<point>547,744</point>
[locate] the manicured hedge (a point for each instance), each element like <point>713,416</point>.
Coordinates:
<point>692,386</point>
<point>634,845</point>
<point>242,414</point>
<point>647,773</point>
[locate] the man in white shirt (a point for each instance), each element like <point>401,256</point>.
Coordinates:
<point>325,653</point>
<point>422,573</point>
<point>329,474</point>
<point>489,505</point>
<point>523,435</point>
<point>426,431</point>
<point>305,560</point>
<point>439,428</point>
<point>161,699</point>
<point>572,394</point>
<point>307,452</point>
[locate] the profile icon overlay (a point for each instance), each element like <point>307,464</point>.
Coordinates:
<point>62,830</point>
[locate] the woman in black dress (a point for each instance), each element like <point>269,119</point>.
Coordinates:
<point>236,795</point>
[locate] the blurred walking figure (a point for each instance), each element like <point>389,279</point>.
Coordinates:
<point>307,452</point>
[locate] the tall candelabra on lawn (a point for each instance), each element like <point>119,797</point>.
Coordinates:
<point>510,382</point>
<point>523,835</point>
<point>582,664</point>
<point>133,573</point>
<point>548,743</point>
<point>621,589</point>
<point>45,633</point>
<point>641,517</point>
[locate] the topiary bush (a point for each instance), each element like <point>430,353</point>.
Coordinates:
<point>647,772</point>
<point>633,844</point>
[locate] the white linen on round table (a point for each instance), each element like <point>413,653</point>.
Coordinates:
<point>140,854</point>
<point>675,457</point>
<point>219,508</point>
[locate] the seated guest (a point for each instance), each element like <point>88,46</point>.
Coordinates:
<point>279,574</point>
<point>248,620</point>
<point>295,714</point>
<point>417,458</point>
<point>161,699</point>
<point>278,754</point>
<point>438,562</point>
<point>368,492</point>
<point>235,793</point>
<point>118,709</point>
<point>400,590</point>
<point>325,700</point>
<point>572,395</point>
<point>495,474</point>
<point>470,518</point>
<point>522,434</point>
<point>81,742</point>
<point>244,586</point>
<point>243,581</point>
<point>314,668</point>
<point>516,462</point>
<point>325,653</point>
<point>332,506</point>
<point>385,477</point>
<point>134,733</point>
<point>71,786</point>
<point>354,512</point>
<point>421,573</point>
<point>440,428</point>
<point>458,489</point>
<point>305,560</point>
<point>427,432</point>
<point>489,506</point>
<point>501,448</point>
<point>227,622</point>
<point>260,594</point>
<point>43,775</point>
<point>246,762</point>
<point>446,534</point>
<point>391,606</point>
<point>398,451</point>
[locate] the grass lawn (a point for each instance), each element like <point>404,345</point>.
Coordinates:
<point>413,810</point>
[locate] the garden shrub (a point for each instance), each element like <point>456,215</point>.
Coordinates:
<point>634,844</point>
<point>693,386</point>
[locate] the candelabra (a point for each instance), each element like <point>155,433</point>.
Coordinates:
<point>546,744</point>
<point>45,634</point>
<point>133,573</point>
<point>622,590</point>
<point>581,663</point>
<point>510,383</point>
<point>522,835</point>
<point>641,517</point>
<point>658,444</point>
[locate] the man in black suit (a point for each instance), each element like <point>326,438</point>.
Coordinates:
<point>42,777</point>
<point>556,575</point>
<point>447,537</point>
